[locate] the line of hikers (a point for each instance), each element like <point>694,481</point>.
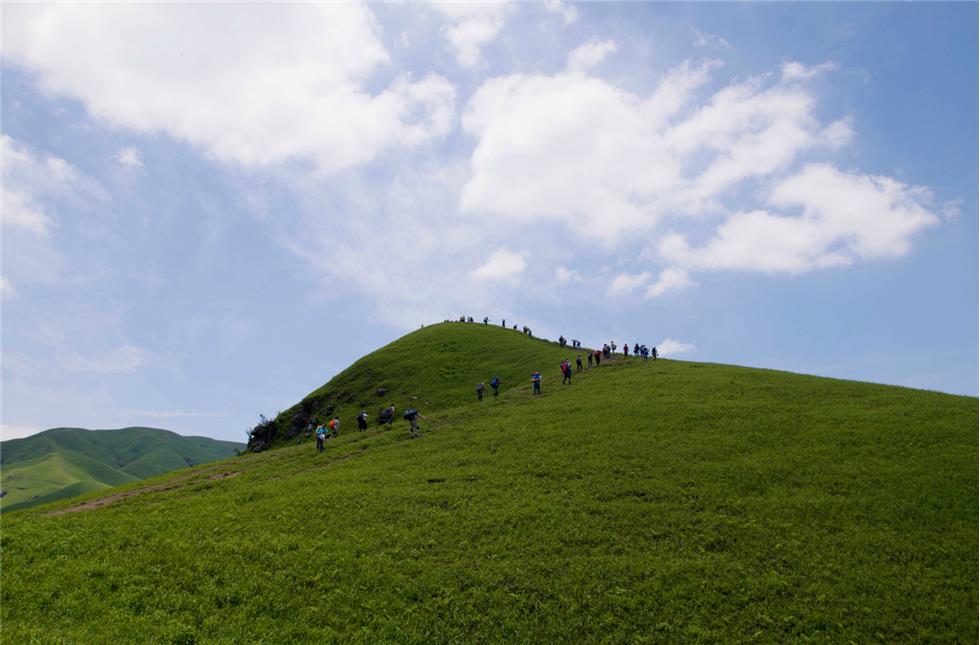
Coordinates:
<point>387,417</point>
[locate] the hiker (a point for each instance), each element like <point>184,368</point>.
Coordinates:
<point>655,354</point>
<point>387,415</point>
<point>561,341</point>
<point>412,416</point>
<point>566,373</point>
<point>590,360</point>
<point>636,349</point>
<point>535,382</point>
<point>598,357</point>
<point>321,434</point>
<point>479,391</point>
<point>486,320</point>
<point>362,421</point>
<point>626,349</point>
<point>578,363</point>
<point>334,426</point>
<point>495,386</point>
<point>613,346</point>
<point>503,323</point>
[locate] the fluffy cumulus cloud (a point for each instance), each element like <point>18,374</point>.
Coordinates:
<point>610,165</point>
<point>255,87</point>
<point>566,10</point>
<point>471,26</point>
<point>129,158</point>
<point>844,218</point>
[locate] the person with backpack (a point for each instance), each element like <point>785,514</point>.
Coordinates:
<point>654,353</point>
<point>387,415</point>
<point>626,349</point>
<point>566,373</point>
<point>479,391</point>
<point>362,421</point>
<point>535,382</point>
<point>590,356</point>
<point>578,363</point>
<point>495,386</point>
<point>412,416</point>
<point>598,357</point>
<point>321,434</point>
<point>636,349</point>
<point>334,426</point>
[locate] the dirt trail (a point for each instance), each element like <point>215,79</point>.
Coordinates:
<point>170,485</point>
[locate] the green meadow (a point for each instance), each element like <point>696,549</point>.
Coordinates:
<point>648,502</point>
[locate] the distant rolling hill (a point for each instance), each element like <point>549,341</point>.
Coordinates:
<point>64,462</point>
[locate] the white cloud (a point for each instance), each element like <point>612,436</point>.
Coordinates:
<point>10,431</point>
<point>670,279</point>
<point>30,179</point>
<point>844,218</point>
<point>671,347</point>
<point>587,56</point>
<point>625,284</point>
<point>500,265</point>
<point>129,157</point>
<point>119,360</point>
<point>566,10</point>
<point>7,290</point>
<point>708,40</point>
<point>605,160</point>
<point>795,71</point>
<point>472,26</point>
<point>263,86</point>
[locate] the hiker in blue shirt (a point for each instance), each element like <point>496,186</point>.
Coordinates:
<point>495,386</point>
<point>535,382</point>
<point>321,434</point>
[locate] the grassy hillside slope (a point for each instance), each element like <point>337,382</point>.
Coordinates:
<point>431,369</point>
<point>63,462</point>
<point>647,502</point>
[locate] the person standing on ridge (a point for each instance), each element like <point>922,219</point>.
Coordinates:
<point>636,349</point>
<point>479,391</point>
<point>362,421</point>
<point>535,382</point>
<point>626,349</point>
<point>321,434</point>
<point>654,353</point>
<point>590,355</point>
<point>503,323</point>
<point>495,386</point>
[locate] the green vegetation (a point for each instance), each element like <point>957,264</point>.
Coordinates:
<point>64,462</point>
<point>647,502</point>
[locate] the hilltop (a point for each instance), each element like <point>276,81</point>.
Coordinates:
<point>647,502</point>
<point>432,368</point>
<point>64,462</point>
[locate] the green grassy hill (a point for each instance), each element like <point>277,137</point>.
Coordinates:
<point>430,369</point>
<point>648,502</point>
<point>63,462</point>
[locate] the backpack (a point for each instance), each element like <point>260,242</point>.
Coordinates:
<point>495,382</point>
<point>333,424</point>
<point>410,414</point>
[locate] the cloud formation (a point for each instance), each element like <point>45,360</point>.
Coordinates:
<point>254,87</point>
<point>671,347</point>
<point>472,25</point>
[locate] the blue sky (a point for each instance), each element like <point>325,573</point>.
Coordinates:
<point>209,210</point>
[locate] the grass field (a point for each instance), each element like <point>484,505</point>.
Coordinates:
<point>64,462</point>
<point>647,502</point>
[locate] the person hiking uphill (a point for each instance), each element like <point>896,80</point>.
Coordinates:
<point>590,355</point>
<point>362,421</point>
<point>412,416</point>
<point>495,386</point>
<point>334,426</point>
<point>578,363</point>
<point>321,434</point>
<point>387,415</point>
<point>566,373</point>
<point>535,382</point>
<point>479,391</point>
<point>626,349</point>
<point>654,353</point>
